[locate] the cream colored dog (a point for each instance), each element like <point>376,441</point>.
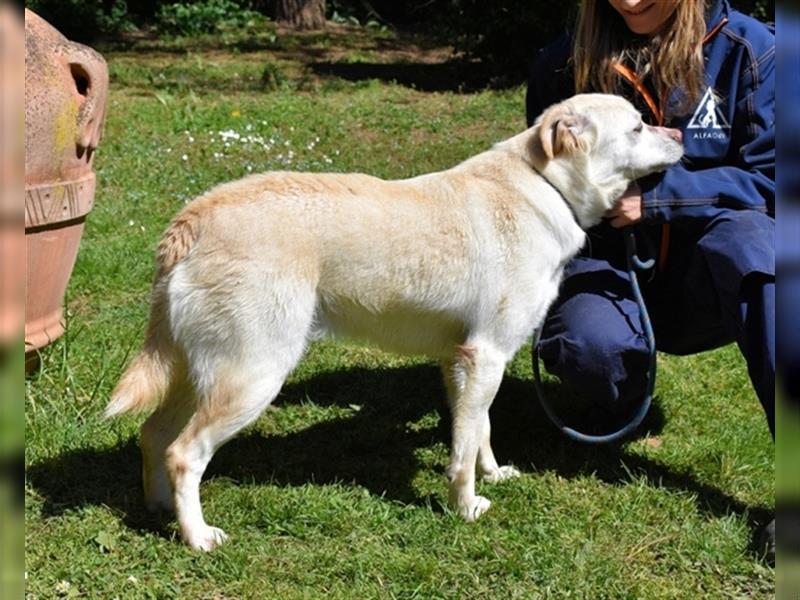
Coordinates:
<point>460,265</point>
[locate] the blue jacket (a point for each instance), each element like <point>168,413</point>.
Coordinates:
<point>729,142</point>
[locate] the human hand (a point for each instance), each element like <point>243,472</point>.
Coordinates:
<point>628,209</point>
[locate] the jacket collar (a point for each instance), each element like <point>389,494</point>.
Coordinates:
<point>716,17</point>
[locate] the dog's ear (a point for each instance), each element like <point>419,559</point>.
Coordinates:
<point>565,132</point>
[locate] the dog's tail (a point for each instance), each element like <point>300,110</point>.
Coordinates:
<point>148,378</point>
<point>178,239</point>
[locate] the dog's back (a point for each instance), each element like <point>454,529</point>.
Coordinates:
<point>411,265</point>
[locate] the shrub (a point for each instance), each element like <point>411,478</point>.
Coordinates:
<point>85,20</point>
<point>207,16</point>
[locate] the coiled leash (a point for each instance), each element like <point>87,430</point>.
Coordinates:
<point>634,264</point>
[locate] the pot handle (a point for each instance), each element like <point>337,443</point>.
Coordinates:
<point>90,75</point>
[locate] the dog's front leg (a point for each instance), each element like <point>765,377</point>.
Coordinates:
<point>487,463</point>
<point>472,377</point>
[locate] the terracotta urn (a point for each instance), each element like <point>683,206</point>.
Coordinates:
<point>66,87</point>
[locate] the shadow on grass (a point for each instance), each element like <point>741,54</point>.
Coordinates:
<point>187,46</point>
<point>451,76</point>
<point>373,447</point>
<point>458,77</point>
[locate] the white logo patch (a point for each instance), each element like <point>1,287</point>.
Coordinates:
<point>709,118</point>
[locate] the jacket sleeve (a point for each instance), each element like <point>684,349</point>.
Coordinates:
<point>550,79</point>
<point>746,180</point>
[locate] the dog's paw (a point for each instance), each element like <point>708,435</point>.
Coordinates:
<point>206,538</point>
<point>470,511</point>
<point>501,474</point>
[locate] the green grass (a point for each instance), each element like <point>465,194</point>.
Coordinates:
<point>339,490</point>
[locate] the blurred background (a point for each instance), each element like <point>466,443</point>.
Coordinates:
<point>503,34</point>
<point>788,302</point>
<point>12,273</point>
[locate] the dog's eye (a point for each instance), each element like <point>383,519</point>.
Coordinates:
<point>639,127</point>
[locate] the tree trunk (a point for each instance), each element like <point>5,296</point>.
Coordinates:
<point>301,14</point>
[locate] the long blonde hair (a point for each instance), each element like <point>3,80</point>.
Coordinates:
<point>672,59</point>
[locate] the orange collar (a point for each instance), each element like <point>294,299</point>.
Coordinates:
<point>715,29</point>
<point>633,78</point>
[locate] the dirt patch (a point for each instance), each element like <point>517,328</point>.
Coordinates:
<point>390,47</point>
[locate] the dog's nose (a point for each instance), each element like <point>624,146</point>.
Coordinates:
<point>675,134</point>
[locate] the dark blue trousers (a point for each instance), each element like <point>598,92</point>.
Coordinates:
<point>718,287</point>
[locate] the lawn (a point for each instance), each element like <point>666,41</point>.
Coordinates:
<point>339,490</point>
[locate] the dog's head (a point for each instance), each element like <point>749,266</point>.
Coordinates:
<point>592,146</point>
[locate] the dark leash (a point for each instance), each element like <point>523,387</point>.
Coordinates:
<point>634,264</point>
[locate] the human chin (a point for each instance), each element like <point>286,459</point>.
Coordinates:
<point>649,20</point>
<point>643,23</point>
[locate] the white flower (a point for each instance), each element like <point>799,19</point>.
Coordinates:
<point>62,587</point>
<point>229,134</point>
<point>184,157</point>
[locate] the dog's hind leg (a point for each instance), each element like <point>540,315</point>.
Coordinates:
<point>236,399</point>
<point>235,378</point>
<point>472,377</point>
<point>236,395</point>
<point>157,433</point>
